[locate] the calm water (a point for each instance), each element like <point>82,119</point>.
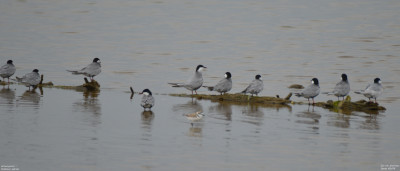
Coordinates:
<point>145,44</point>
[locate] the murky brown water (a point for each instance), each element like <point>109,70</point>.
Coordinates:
<point>145,44</point>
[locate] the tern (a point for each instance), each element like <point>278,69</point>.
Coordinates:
<point>311,91</point>
<point>30,79</point>
<point>255,87</point>
<point>195,82</point>
<point>7,70</point>
<point>372,90</point>
<point>341,89</point>
<point>91,70</point>
<point>147,99</point>
<point>223,85</point>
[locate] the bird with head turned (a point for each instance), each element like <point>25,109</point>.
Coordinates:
<point>311,91</point>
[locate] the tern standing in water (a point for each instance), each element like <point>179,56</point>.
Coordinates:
<point>372,90</point>
<point>30,79</point>
<point>255,87</point>
<point>195,82</point>
<point>7,70</point>
<point>91,70</point>
<point>147,99</point>
<point>311,91</point>
<point>223,85</point>
<point>342,88</point>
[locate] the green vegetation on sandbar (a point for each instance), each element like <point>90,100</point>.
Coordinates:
<point>296,86</point>
<point>90,86</point>
<point>4,83</point>
<point>346,106</point>
<point>93,85</point>
<point>242,99</point>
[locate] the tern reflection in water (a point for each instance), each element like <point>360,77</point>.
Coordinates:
<point>254,114</point>
<point>190,107</point>
<point>7,96</point>
<point>30,97</point>
<point>90,104</point>
<point>309,117</point>
<point>222,110</point>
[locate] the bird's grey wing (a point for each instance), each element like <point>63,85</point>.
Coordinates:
<point>341,88</point>
<point>74,72</point>
<point>374,90</point>
<point>7,69</point>
<point>252,87</point>
<point>377,87</point>
<point>26,78</point>
<point>78,72</point>
<point>220,85</point>
<point>177,84</point>
<point>258,86</point>
<point>368,92</point>
<point>92,69</point>
<point>31,78</point>
<point>248,88</point>
<point>311,91</point>
<point>368,86</point>
<point>363,91</point>
<point>4,68</point>
<point>84,69</point>
<point>35,79</point>
<point>194,82</point>
<point>91,66</point>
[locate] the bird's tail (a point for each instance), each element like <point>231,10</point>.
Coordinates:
<point>359,92</point>
<point>298,94</point>
<point>328,93</point>
<point>176,84</point>
<point>74,72</point>
<point>18,79</point>
<point>22,81</point>
<point>210,88</point>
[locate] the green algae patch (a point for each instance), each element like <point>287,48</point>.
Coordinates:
<point>4,83</point>
<point>77,88</point>
<point>87,86</point>
<point>296,86</point>
<point>241,99</point>
<point>92,85</point>
<point>347,106</point>
<point>48,84</point>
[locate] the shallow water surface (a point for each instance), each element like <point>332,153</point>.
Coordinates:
<point>146,44</point>
<point>108,130</point>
